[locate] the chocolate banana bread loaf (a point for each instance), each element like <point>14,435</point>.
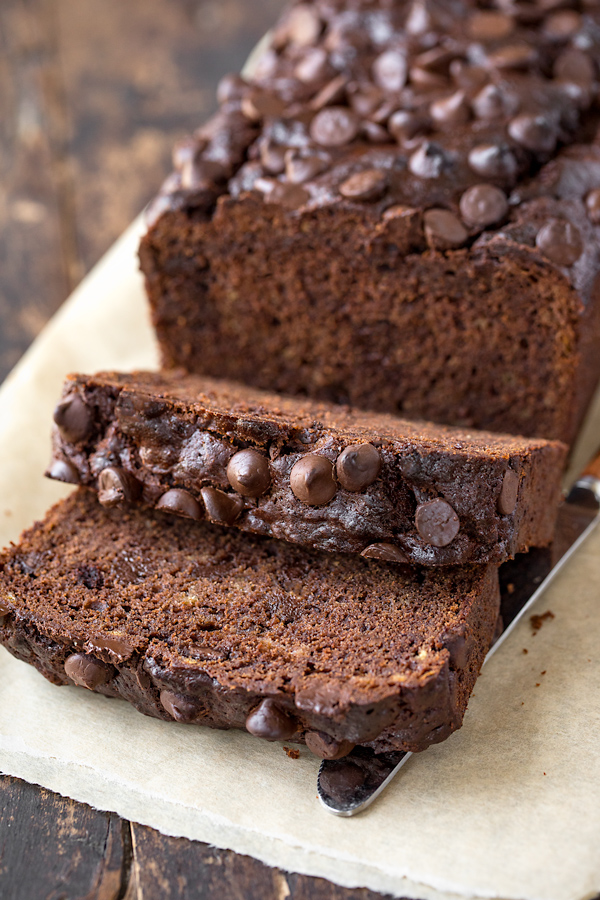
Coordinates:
<point>201,624</point>
<point>327,477</point>
<point>399,210</point>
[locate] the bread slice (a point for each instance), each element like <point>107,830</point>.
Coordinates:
<point>322,476</point>
<point>200,624</point>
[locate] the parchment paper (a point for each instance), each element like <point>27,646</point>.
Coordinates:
<point>508,807</point>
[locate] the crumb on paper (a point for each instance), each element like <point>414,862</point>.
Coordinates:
<point>538,621</point>
<point>543,673</point>
<point>292,752</point>
<point>525,650</point>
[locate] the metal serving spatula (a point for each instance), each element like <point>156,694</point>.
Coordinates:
<point>347,786</point>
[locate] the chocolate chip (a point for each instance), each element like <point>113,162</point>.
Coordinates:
<point>451,110</point>
<point>222,508</point>
<point>343,781</point>
<point>181,709</point>
<point>489,26</point>
<point>61,470</point>
<point>326,747</point>
<point>366,100</point>
<point>302,26</point>
<point>443,229</point>
<point>562,25</point>
<point>469,78</point>
<point>86,671</point>
<point>592,204</point>
<point>358,466</point>
<point>290,196</point>
<point>537,133</point>
<point>404,125</point>
<point>436,522</point>
<point>268,721</point>
<point>438,59</point>
<point>493,161</point>
<point>509,492</point>
<point>333,92</point>
<point>116,486</point>
<point>314,66</point>
<point>390,70</point>
<point>184,152</point>
<point>202,174</point>
<point>425,80</point>
<point>272,157</point>
<point>492,103</point>
<point>419,19</point>
<point>180,503</point>
<point>513,56</point>
<point>574,65</point>
<point>300,167</point>
<point>231,87</point>
<point>374,133</point>
<point>428,161</point>
<point>248,473</point>
<point>116,646</point>
<point>560,242</point>
<point>334,126</point>
<point>368,185</point>
<point>385,552</point>
<point>312,481</point>
<point>259,105</point>
<point>73,418</point>
<point>483,204</point>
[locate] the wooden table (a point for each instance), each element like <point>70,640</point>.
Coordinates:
<point>93,94</point>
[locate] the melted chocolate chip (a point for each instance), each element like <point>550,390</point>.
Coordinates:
<point>116,486</point>
<point>334,126</point>
<point>61,470</point>
<point>490,26</point>
<point>509,492</point>
<point>385,552</point>
<point>428,161</point>
<point>268,721</point>
<point>326,747</point>
<point>390,70</point>
<point>180,708</point>
<point>248,473</point>
<point>358,466</point>
<point>451,110</point>
<point>86,671</point>
<point>560,242</point>
<point>592,204</point>
<point>534,132</point>
<point>222,508</point>
<point>368,185</point>
<point>493,161</point>
<point>443,229</point>
<point>73,418</point>
<point>312,481</point>
<point>116,646</point>
<point>436,522</point>
<point>180,503</point>
<point>482,205</point>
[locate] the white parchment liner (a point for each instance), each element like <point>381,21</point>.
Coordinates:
<point>508,807</point>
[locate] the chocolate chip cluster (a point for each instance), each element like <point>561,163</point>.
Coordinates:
<point>444,106</point>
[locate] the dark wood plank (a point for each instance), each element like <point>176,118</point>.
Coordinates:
<point>166,868</point>
<point>52,848</point>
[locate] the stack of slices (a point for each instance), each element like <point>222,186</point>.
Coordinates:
<point>396,218</point>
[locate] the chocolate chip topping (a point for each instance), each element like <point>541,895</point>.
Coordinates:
<point>519,55</point>
<point>116,486</point>
<point>493,161</point>
<point>268,721</point>
<point>443,229</point>
<point>367,185</point>
<point>358,466</point>
<point>509,492</point>
<point>222,508</point>
<point>262,104</point>
<point>180,708</point>
<point>385,552</point>
<point>562,25</point>
<point>483,204</point>
<point>180,503</point>
<point>404,125</point>
<point>312,480</point>
<point>451,110</point>
<point>292,196</point>
<point>334,126</point>
<point>490,26</point>
<point>535,132</point>
<point>61,470</point>
<point>428,161</point>
<point>592,204</point>
<point>326,747</point>
<point>560,242</point>
<point>86,671</point>
<point>301,167</point>
<point>112,645</point>
<point>390,70</point>
<point>574,65</point>
<point>436,522</point>
<point>248,473</point>
<point>73,418</point>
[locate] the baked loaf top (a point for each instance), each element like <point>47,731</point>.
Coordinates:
<point>324,476</point>
<point>445,106</point>
<point>197,623</point>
